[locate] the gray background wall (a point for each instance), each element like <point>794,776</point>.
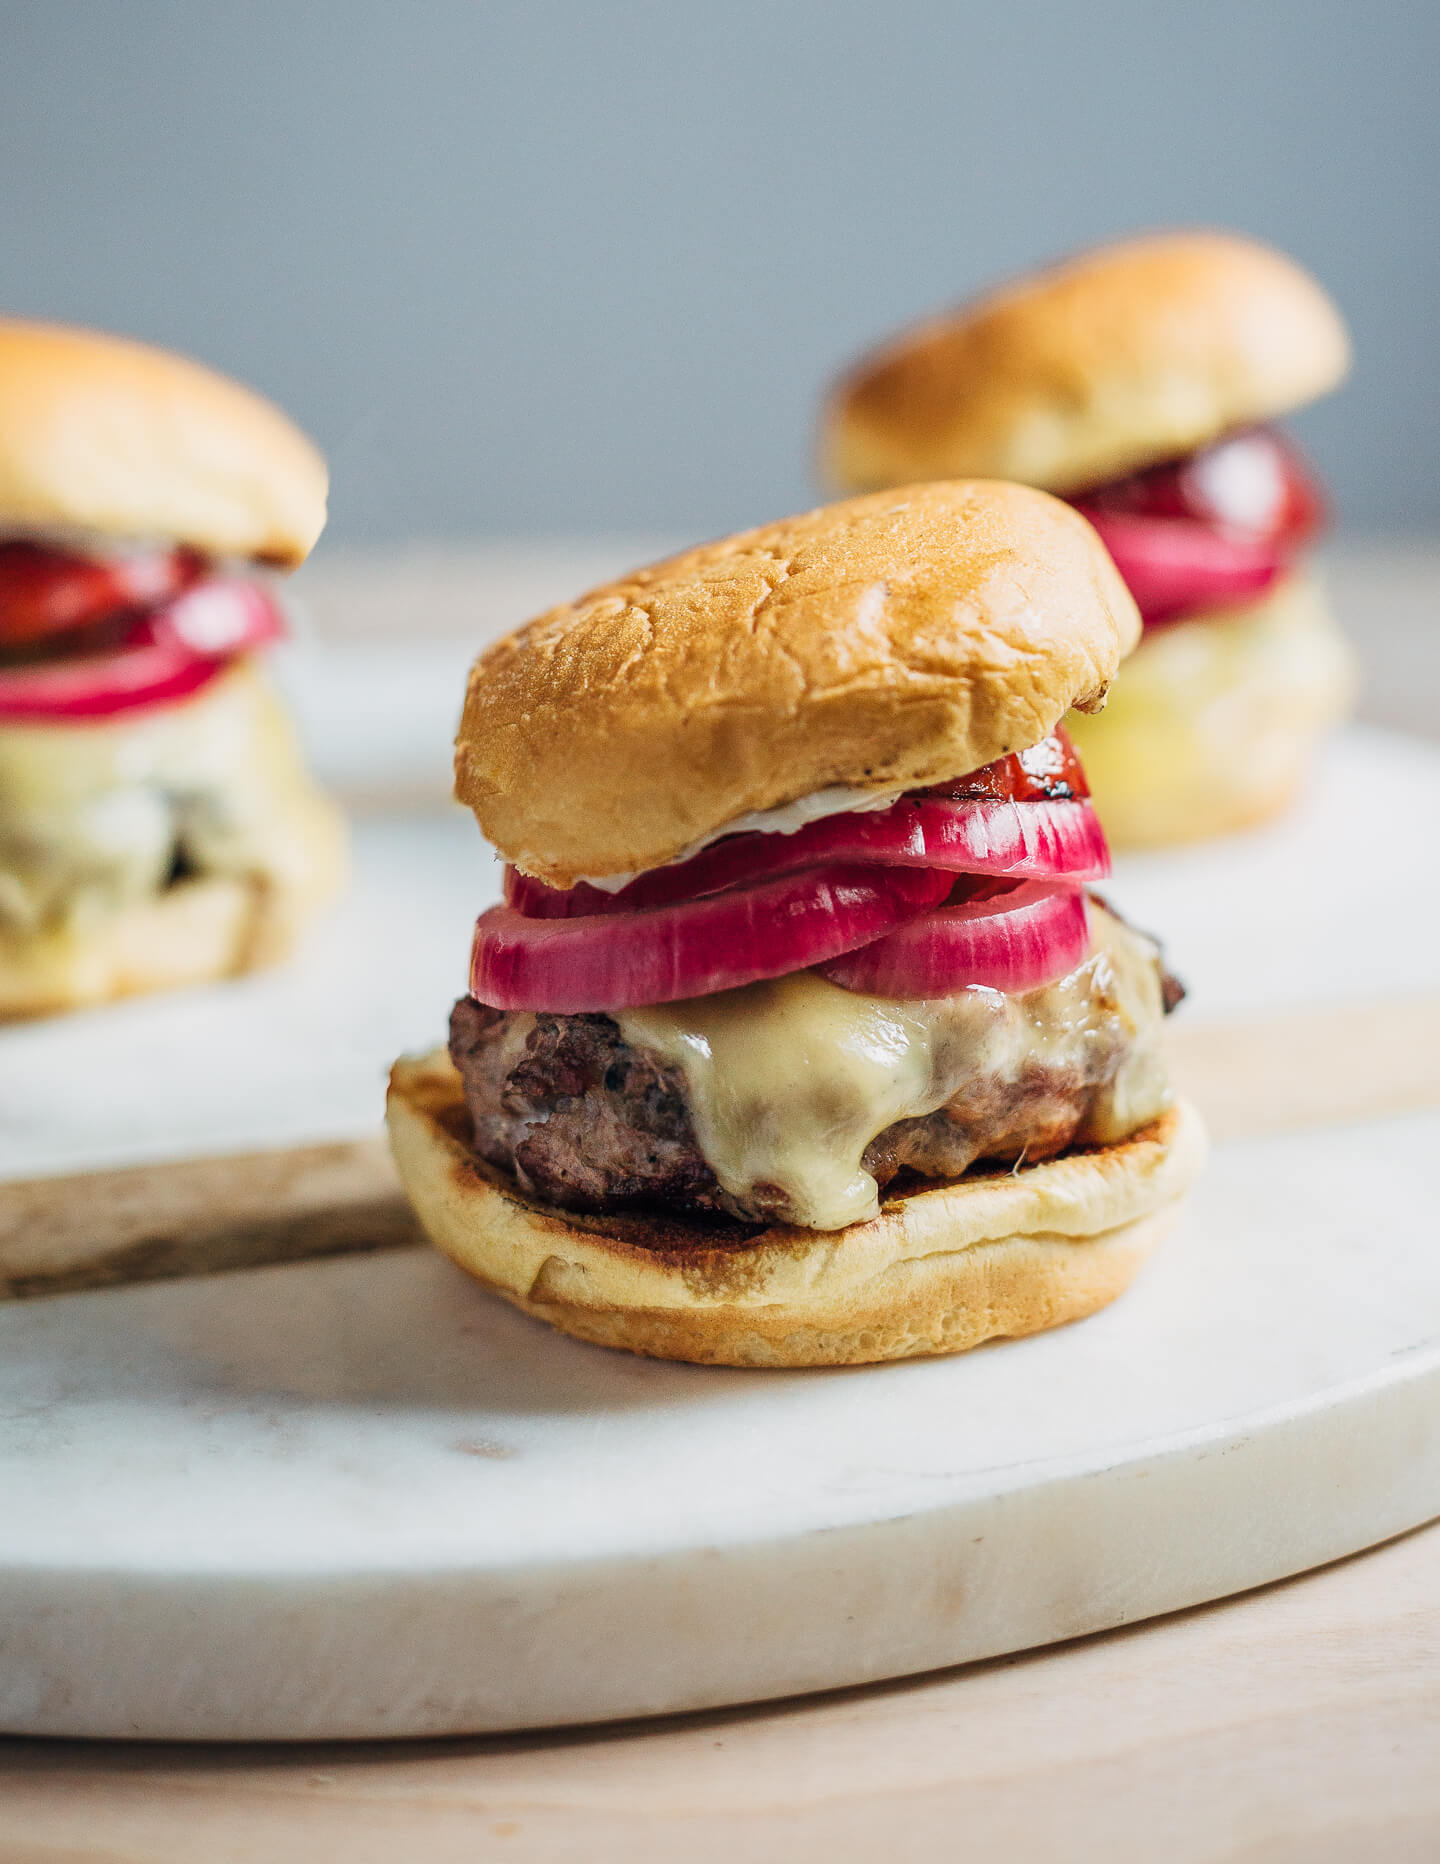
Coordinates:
<point>572,267</point>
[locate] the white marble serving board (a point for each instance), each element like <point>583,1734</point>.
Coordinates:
<point>362,1498</point>
<point>1336,903</point>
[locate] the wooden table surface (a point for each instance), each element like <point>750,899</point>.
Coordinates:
<point>1298,1723</point>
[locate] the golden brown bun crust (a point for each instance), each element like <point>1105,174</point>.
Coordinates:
<point>880,643</point>
<point>196,932</point>
<point>1130,354</point>
<point>98,433</point>
<point>1212,726</point>
<point>939,1271</point>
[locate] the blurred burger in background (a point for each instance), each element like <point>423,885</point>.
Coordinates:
<point>157,825</point>
<point>1139,382</point>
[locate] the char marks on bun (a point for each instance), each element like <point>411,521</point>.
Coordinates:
<point>883,643</point>
<point>1136,352</point>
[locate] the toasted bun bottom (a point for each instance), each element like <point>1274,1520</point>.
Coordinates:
<point>1211,725</point>
<point>193,933</point>
<point>938,1271</point>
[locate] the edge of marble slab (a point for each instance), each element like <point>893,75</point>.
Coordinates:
<point>399,1653</point>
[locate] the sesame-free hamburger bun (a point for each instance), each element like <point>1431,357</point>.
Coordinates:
<point>943,1267</point>
<point>878,644</point>
<point>106,437</point>
<point>1129,354</point>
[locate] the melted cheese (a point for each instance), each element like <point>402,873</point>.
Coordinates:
<point>789,1081</point>
<point>92,816</point>
<point>1212,717</point>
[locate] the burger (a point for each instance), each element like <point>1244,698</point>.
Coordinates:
<point>157,825</point>
<point>1139,382</point>
<point>798,1039</point>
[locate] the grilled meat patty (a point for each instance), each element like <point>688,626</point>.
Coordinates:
<point>588,1119</point>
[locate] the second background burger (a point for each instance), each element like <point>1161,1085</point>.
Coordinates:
<point>1138,382</point>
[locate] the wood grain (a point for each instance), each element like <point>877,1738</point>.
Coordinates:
<point>1298,1725</point>
<point>150,1222</point>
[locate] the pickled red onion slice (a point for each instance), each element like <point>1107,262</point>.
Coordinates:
<point>1057,839</point>
<point>612,962</point>
<point>166,655</point>
<point>221,616</point>
<point>101,685</point>
<point>1012,939</point>
<point>1179,566</point>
